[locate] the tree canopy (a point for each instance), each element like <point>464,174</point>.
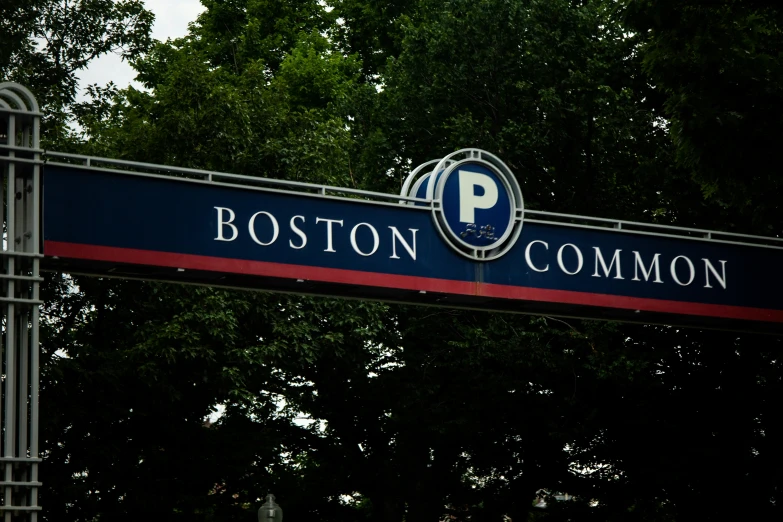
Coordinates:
<point>188,403</point>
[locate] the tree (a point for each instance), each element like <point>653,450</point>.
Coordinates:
<point>250,117</point>
<point>367,411</point>
<point>718,69</point>
<point>45,43</point>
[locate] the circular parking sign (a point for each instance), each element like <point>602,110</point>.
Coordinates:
<point>476,204</point>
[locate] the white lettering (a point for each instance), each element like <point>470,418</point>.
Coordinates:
<point>708,267</point>
<point>252,228</point>
<point>674,271</point>
<point>469,201</point>
<point>375,239</point>
<point>530,261</point>
<point>580,259</point>
<point>296,230</point>
<point>222,223</point>
<point>599,258</point>
<point>638,263</point>
<point>329,222</point>
<point>397,236</point>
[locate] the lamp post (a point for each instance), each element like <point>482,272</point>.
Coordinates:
<point>270,511</point>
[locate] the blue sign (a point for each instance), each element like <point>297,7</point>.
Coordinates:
<point>185,230</point>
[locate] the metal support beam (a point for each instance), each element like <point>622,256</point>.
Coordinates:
<point>20,164</point>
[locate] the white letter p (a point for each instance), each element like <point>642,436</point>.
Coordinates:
<point>469,201</point>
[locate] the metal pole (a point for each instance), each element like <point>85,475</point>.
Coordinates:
<point>35,246</point>
<point>11,425</point>
<point>20,155</point>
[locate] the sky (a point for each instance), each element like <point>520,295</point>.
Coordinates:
<point>171,21</point>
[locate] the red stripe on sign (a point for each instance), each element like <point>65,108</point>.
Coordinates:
<point>413,283</point>
<point>631,303</point>
<point>258,268</point>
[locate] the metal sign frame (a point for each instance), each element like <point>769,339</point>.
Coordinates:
<point>20,157</point>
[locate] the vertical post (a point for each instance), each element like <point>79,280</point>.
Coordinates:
<point>10,421</point>
<point>35,244</point>
<point>20,165</point>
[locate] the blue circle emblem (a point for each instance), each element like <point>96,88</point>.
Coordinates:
<point>476,205</point>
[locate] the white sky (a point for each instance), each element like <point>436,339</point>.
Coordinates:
<point>171,21</point>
